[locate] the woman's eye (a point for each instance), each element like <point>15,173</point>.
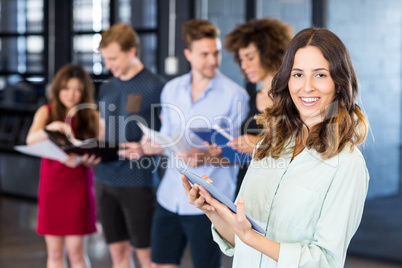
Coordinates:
<point>321,75</point>
<point>297,75</point>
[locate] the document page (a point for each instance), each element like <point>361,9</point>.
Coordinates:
<point>45,149</point>
<point>171,146</point>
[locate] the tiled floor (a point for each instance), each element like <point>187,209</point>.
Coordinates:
<point>21,247</point>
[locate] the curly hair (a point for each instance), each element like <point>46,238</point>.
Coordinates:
<point>344,122</point>
<point>197,29</point>
<point>270,36</point>
<point>86,123</point>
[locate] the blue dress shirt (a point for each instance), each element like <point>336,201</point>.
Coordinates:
<point>224,103</point>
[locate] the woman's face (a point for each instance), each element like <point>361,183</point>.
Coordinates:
<point>250,63</point>
<point>71,94</point>
<point>310,84</point>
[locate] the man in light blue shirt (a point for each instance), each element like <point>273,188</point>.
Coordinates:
<point>199,99</point>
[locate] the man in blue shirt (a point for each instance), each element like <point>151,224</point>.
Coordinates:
<point>201,98</point>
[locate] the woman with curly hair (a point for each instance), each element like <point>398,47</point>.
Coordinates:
<point>258,46</point>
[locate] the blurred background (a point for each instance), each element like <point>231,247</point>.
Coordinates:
<point>37,37</point>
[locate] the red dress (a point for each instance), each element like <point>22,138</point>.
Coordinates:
<point>66,200</point>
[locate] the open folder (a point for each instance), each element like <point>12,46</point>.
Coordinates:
<point>216,135</point>
<point>58,145</point>
<point>218,195</point>
<point>101,149</point>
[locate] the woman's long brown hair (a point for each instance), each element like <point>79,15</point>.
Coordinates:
<point>344,122</point>
<point>86,121</point>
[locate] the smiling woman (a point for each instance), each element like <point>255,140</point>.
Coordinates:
<point>314,68</point>
<point>310,85</point>
<point>258,47</point>
<point>311,203</point>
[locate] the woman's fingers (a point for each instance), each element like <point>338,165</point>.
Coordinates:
<point>205,177</point>
<point>199,200</point>
<point>241,214</point>
<point>192,192</point>
<point>209,199</point>
<point>186,184</point>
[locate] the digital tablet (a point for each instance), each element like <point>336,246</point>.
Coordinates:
<point>218,195</point>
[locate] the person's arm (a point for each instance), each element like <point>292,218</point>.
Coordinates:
<point>215,156</point>
<point>72,161</point>
<point>150,148</point>
<point>197,157</point>
<point>196,198</point>
<point>244,143</point>
<point>227,223</point>
<point>194,157</point>
<point>36,132</point>
<point>130,150</point>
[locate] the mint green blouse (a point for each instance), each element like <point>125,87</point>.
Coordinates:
<point>312,207</point>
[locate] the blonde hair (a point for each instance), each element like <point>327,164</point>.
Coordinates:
<point>122,34</point>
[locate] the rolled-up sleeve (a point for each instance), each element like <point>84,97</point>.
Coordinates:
<point>289,255</point>
<point>224,245</point>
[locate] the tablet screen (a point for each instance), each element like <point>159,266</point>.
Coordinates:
<point>218,195</point>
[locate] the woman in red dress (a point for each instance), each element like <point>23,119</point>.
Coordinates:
<point>66,211</point>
